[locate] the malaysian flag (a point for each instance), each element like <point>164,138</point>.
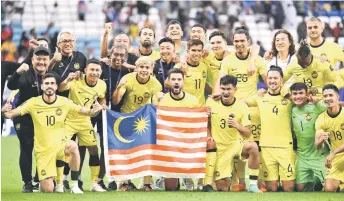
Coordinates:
<point>157,141</point>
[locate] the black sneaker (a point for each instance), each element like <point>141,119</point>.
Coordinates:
<point>28,187</point>
<point>35,187</point>
<point>66,184</point>
<point>101,184</point>
<point>208,188</point>
<point>80,183</point>
<point>131,187</point>
<point>112,186</point>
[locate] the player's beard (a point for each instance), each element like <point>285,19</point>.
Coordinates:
<point>46,92</point>
<point>175,91</point>
<point>146,44</point>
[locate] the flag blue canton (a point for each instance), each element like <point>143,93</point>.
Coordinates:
<point>126,131</point>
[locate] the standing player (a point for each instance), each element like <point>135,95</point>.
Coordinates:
<point>310,167</point>
<point>239,65</point>
<point>147,39</point>
<point>312,71</point>
<point>276,149</point>
<point>329,128</point>
<point>49,113</point>
<point>229,118</point>
<point>165,63</point>
<point>195,71</point>
<point>84,92</point>
<point>137,89</point>
<point>321,47</point>
<point>175,32</point>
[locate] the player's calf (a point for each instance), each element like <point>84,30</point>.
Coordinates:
<point>271,186</point>
<point>47,185</point>
<point>223,184</point>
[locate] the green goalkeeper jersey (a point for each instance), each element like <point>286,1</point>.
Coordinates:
<point>304,128</point>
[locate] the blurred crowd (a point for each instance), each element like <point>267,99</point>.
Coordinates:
<point>129,17</point>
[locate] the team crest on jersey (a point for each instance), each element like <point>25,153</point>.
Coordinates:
<point>17,126</point>
<point>217,174</point>
<point>61,65</point>
<point>204,74</point>
<point>265,174</point>
<point>146,95</point>
<point>58,111</point>
<point>314,74</point>
<point>76,66</point>
<point>308,117</point>
<point>342,126</point>
<point>284,101</point>
<point>43,173</point>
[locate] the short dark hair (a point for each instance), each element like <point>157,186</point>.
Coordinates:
<point>174,71</point>
<point>49,75</point>
<point>194,42</point>
<point>167,40</point>
<point>43,38</point>
<point>277,69</point>
<point>242,30</point>
<point>93,61</point>
<point>217,33</point>
<point>228,79</point>
<point>331,86</point>
<point>173,22</point>
<point>291,49</point>
<point>303,50</point>
<point>140,32</point>
<point>298,86</point>
<point>201,26</point>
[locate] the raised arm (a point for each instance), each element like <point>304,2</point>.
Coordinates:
<point>104,42</point>
<point>64,86</point>
<point>13,82</point>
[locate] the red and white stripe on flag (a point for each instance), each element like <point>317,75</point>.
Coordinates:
<point>180,150</point>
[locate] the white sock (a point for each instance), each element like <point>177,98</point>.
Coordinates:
<point>253,181</point>
<point>65,177</point>
<point>99,179</point>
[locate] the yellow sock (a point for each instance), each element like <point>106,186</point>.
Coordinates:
<point>94,173</point>
<point>210,167</point>
<point>147,179</point>
<point>59,176</point>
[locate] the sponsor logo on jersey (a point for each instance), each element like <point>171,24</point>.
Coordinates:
<point>43,173</point>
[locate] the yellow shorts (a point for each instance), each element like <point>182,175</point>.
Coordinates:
<point>255,124</point>
<point>84,130</point>
<point>278,162</point>
<point>337,169</point>
<point>225,159</point>
<point>46,161</point>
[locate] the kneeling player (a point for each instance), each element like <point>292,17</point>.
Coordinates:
<point>49,113</point>
<point>329,128</point>
<point>310,165</point>
<point>229,118</point>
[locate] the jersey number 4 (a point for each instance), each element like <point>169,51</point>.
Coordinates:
<point>275,110</point>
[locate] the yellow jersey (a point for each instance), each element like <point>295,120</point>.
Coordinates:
<point>154,55</point>
<point>223,135</point>
<point>195,81</point>
<point>187,100</point>
<point>137,94</point>
<point>275,116</point>
<point>331,50</point>
<point>214,65</point>
<point>334,125</point>
<point>316,75</point>
<point>84,94</point>
<point>247,85</point>
<point>48,120</point>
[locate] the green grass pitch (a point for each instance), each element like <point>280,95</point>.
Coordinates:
<point>11,185</point>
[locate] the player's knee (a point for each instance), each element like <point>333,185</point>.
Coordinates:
<point>272,187</point>
<point>289,188</point>
<point>47,188</point>
<point>171,184</point>
<point>93,150</point>
<point>223,185</point>
<point>211,144</point>
<point>330,188</point>
<point>252,147</point>
<point>72,147</point>
<point>300,188</point>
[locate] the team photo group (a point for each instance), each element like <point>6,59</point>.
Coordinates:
<point>274,123</point>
